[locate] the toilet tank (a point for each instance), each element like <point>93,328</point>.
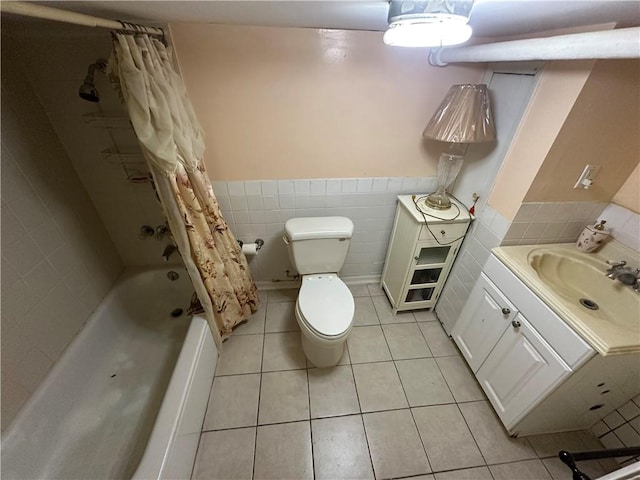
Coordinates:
<point>318,244</point>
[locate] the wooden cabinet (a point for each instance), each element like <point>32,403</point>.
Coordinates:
<point>421,252</point>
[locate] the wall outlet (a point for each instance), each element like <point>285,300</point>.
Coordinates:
<point>588,175</point>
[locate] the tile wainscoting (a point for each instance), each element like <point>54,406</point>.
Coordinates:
<point>621,428</point>
<point>259,209</point>
<point>624,223</point>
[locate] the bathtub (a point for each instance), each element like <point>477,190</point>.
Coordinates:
<point>127,398</point>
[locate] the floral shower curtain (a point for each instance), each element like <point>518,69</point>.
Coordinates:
<point>171,138</point>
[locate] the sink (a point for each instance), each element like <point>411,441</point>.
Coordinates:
<point>561,276</point>
<point>580,279</point>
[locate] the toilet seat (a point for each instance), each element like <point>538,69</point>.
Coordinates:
<point>326,305</point>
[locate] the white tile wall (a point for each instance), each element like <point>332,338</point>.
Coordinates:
<point>259,209</point>
<point>624,224</point>
<point>55,75</point>
<point>551,222</point>
<point>486,232</point>
<point>57,258</point>
<point>621,428</point>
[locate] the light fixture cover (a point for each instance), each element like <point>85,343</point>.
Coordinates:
<point>464,116</point>
<point>431,23</point>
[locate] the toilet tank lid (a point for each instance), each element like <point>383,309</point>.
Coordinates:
<point>309,228</point>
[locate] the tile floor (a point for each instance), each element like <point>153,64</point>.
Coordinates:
<point>401,403</point>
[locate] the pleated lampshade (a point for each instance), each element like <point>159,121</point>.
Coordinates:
<point>464,116</point>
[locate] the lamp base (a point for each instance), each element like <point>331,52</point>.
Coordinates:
<point>439,200</point>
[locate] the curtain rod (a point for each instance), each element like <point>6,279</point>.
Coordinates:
<point>40,11</point>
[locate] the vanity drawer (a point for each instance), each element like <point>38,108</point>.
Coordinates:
<point>444,232</point>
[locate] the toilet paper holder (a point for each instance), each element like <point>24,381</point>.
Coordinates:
<point>259,243</point>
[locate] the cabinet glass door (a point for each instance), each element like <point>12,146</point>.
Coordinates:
<point>419,294</point>
<point>431,255</point>
<point>426,275</point>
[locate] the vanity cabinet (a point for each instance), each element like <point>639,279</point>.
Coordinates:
<point>520,351</point>
<point>522,367</point>
<point>421,252</point>
<point>514,365</point>
<point>484,318</point>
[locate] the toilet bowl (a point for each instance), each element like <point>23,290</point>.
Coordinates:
<point>318,248</point>
<point>324,311</point>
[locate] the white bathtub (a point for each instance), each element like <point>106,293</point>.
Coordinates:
<point>127,398</point>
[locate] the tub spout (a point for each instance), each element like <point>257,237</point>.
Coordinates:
<point>168,251</point>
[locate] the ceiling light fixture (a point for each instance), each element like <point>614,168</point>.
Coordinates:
<point>431,23</point>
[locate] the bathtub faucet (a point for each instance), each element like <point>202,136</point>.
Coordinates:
<point>168,251</point>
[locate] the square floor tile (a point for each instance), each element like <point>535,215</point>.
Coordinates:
<point>425,316</point>
<point>375,289</point>
<point>548,445</point>
<point>283,295</point>
<point>477,473</point>
<point>284,397</point>
<point>495,443</point>
<point>281,317</point>
<point>406,341</point>
<point>461,381</point>
<point>528,470</point>
<point>394,443</point>
<point>226,454</point>
<point>365,313</point>
<point>378,387</point>
<point>283,351</point>
<point>385,313</point>
<point>284,451</point>
<point>332,391</point>
<point>367,344</point>
<point>340,449</point>
<point>446,438</point>
<point>359,290</point>
<point>423,383</point>
<point>240,354</point>
<point>559,471</point>
<point>233,402</point>
<point>439,343</point>
<point>255,323</point>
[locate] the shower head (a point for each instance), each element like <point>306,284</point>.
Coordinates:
<point>88,89</point>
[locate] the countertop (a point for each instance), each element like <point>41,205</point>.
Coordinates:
<point>605,336</point>
<point>458,213</point>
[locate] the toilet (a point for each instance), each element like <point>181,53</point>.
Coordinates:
<point>324,310</point>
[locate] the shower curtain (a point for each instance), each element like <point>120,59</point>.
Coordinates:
<point>153,93</point>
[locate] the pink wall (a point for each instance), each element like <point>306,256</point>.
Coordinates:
<point>280,103</point>
<point>602,128</point>
<point>629,194</point>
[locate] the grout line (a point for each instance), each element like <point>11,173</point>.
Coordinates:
<point>395,366</point>
<point>255,442</point>
<point>313,459</point>
<point>471,433</point>
<point>353,375</point>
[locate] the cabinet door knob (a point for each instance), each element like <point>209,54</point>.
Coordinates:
<point>443,232</point>
<point>506,311</point>
<point>416,258</point>
<point>516,324</point>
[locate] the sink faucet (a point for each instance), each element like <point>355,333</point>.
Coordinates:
<point>619,271</point>
<point>168,251</point>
